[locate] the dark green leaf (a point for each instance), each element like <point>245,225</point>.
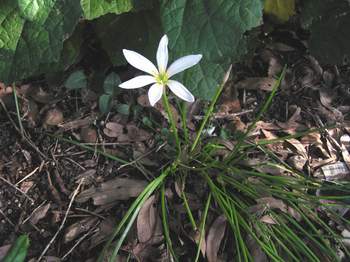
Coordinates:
<point>123,109</point>
<point>96,8</point>
<point>104,103</point>
<point>142,34</point>
<point>76,80</point>
<point>32,33</point>
<point>111,83</point>
<point>213,28</point>
<point>18,251</point>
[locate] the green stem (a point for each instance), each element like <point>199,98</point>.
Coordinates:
<point>188,210</point>
<point>171,120</point>
<point>165,224</point>
<point>210,109</point>
<point>17,110</point>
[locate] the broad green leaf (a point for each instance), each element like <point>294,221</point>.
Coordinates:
<point>213,28</point>
<point>104,103</point>
<point>76,80</point>
<point>142,34</point>
<point>18,251</point>
<point>111,83</point>
<point>282,10</point>
<point>32,35</point>
<point>35,9</point>
<point>95,8</point>
<point>329,24</point>
<point>123,109</point>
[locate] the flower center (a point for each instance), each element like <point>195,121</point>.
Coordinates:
<point>162,78</point>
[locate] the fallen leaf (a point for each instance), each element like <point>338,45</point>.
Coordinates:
<point>39,213</point>
<point>136,134</point>
<point>257,83</point>
<point>78,123</point>
<point>53,117</point>
<point>82,226</point>
<point>147,220</point>
<point>196,238</point>
<point>296,146</point>
<point>88,134</point>
<point>113,129</point>
<point>214,238</point>
<point>298,162</point>
<point>4,250</point>
<point>120,188</point>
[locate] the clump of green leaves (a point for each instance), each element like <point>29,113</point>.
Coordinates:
<point>32,35</point>
<point>278,216</point>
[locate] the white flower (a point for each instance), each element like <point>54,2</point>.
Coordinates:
<point>160,77</point>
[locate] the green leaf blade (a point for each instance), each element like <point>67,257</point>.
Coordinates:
<point>18,251</point>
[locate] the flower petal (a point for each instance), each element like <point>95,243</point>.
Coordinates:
<point>155,93</point>
<point>180,90</point>
<point>162,54</point>
<point>183,63</point>
<point>140,62</point>
<point>137,82</point>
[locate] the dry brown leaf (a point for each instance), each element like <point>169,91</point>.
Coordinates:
<point>196,237</point>
<point>298,162</point>
<point>120,188</point>
<point>255,250</point>
<point>4,249</point>
<point>214,238</point>
<point>103,232</point>
<point>136,134</point>
<point>113,129</point>
<point>87,175</point>
<point>88,135</point>
<point>74,230</point>
<point>26,185</point>
<point>147,221</point>
<point>230,106</point>
<point>53,117</point>
<point>268,220</point>
<point>257,83</point>
<point>78,123</point>
<point>39,213</point>
<point>266,203</point>
<point>296,146</point>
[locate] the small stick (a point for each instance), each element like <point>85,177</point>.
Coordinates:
<point>16,188</point>
<point>27,176</point>
<point>225,116</point>
<point>75,193</point>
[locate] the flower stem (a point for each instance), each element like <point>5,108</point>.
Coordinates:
<point>171,120</point>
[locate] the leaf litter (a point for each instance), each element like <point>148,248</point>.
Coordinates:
<point>311,96</point>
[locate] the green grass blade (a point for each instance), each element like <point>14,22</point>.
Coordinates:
<point>166,226</point>
<point>18,251</point>
<point>210,109</point>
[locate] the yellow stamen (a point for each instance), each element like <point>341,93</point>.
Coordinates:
<point>162,78</point>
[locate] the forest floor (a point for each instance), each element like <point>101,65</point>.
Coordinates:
<point>68,198</point>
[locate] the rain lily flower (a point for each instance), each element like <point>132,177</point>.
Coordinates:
<point>160,77</point>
